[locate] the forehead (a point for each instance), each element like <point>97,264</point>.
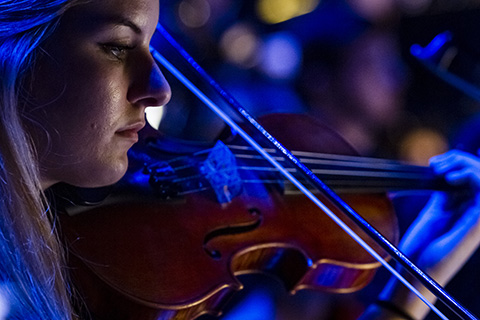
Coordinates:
<point>134,13</point>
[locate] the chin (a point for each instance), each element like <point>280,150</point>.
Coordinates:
<point>111,178</point>
<point>102,177</point>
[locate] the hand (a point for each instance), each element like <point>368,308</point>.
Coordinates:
<point>444,235</point>
<point>447,231</point>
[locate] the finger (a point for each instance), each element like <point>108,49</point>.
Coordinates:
<point>434,206</point>
<point>454,160</point>
<point>458,244</point>
<point>450,156</point>
<point>463,177</point>
<point>431,223</point>
<point>446,156</point>
<point>450,161</point>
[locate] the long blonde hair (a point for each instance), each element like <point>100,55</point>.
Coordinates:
<point>31,260</point>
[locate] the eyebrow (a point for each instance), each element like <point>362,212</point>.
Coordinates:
<point>126,22</point>
<point>117,20</point>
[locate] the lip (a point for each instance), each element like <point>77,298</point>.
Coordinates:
<point>131,131</point>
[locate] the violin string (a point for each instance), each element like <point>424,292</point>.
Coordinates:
<point>322,172</point>
<point>321,159</point>
<point>379,180</point>
<point>386,169</point>
<point>331,177</point>
<point>289,188</point>
<point>350,173</point>
<point>370,165</point>
<point>326,156</point>
<point>197,190</point>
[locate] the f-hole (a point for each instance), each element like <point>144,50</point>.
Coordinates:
<point>231,230</point>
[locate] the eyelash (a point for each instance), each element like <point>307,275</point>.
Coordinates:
<point>118,51</point>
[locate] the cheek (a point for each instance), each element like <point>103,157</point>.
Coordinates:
<point>85,96</point>
<point>76,117</point>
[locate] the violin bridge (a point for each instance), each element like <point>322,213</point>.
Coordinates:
<point>220,170</point>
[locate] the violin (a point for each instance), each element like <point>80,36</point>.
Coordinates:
<point>173,235</point>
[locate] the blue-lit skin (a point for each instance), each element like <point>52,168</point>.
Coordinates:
<point>90,91</point>
<point>443,236</point>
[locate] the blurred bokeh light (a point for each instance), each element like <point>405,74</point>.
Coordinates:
<point>281,56</point>
<point>276,11</point>
<point>420,145</point>
<point>194,13</point>
<point>240,44</point>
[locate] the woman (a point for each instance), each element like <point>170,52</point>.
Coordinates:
<point>441,239</point>
<point>76,77</point>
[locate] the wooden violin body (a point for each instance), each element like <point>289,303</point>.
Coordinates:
<point>138,255</point>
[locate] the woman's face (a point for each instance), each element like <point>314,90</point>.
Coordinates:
<point>90,88</point>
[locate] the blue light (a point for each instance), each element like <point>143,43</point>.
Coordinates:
<point>258,305</point>
<point>281,56</point>
<point>434,48</point>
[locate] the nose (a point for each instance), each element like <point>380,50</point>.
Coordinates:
<point>149,87</point>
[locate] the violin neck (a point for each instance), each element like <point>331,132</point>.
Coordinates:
<point>381,181</point>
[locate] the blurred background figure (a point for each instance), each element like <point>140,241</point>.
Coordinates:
<point>346,63</point>
<point>358,88</point>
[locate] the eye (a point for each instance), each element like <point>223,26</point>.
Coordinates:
<point>117,51</point>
